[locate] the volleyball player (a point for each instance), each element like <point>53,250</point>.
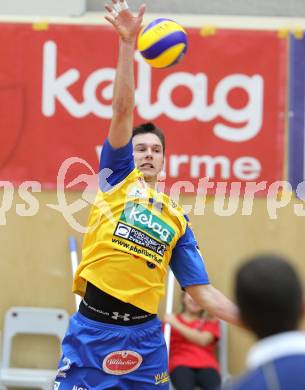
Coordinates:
<point>115,340</point>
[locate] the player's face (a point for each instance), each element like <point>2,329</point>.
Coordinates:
<point>148,155</point>
<point>190,305</point>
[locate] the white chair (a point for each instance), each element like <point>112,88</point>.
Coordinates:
<point>30,320</point>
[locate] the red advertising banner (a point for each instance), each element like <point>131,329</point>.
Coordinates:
<point>221,108</point>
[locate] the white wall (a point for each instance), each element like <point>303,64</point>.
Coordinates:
<point>217,7</point>
<point>43,7</point>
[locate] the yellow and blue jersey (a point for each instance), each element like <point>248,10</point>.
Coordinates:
<point>134,234</point>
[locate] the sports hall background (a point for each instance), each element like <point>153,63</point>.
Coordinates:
<point>35,265</point>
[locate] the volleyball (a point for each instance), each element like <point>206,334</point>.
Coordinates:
<point>162,43</point>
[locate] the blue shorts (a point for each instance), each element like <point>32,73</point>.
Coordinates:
<point>98,356</point>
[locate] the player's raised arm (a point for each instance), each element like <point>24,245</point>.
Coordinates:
<point>127,26</point>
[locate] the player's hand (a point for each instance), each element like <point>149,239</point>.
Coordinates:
<point>125,23</point>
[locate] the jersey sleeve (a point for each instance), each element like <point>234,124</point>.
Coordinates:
<point>115,165</point>
<point>187,263</point>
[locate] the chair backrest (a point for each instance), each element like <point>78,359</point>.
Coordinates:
<point>31,320</point>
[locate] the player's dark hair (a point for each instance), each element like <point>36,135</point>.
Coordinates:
<point>149,128</point>
<point>269,295</point>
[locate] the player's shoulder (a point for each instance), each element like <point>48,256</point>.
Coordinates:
<point>172,205</point>
<point>175,211</point>
<point>135,179</point>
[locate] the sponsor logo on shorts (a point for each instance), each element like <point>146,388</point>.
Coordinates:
<point>161,378</point>
<point>75,387</point>
<point>122,362</point>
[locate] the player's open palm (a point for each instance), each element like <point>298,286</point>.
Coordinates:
<point>122,19</point>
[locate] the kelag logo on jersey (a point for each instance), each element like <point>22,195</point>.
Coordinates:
<point>139,226</point>
<point>141,218</point>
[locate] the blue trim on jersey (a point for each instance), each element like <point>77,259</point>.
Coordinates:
<point>120,161</point>
<point>186,261</point>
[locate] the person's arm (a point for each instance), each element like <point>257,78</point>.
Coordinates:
<point>127,26</point>
<point>195,336</point>
<point>189,269</point>
<point>215,302</point>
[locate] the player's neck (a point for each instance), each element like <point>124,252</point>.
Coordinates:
<point>151,182</point>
